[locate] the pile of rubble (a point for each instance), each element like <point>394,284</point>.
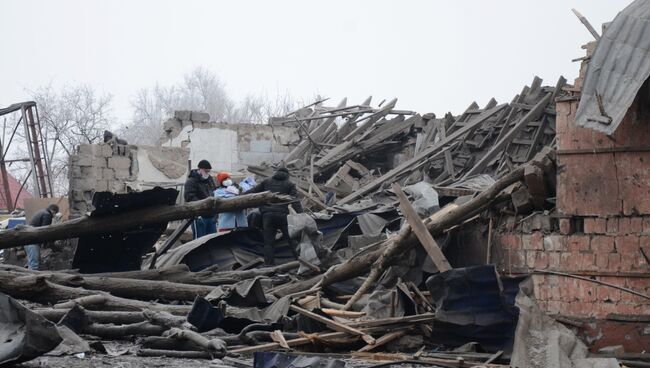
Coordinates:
<point>208,300</point>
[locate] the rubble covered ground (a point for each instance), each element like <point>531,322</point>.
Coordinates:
<point>452,241</point>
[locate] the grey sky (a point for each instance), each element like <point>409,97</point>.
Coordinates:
<point>432,55</point>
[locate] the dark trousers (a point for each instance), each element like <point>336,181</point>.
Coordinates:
<point>204,226</point>
<point>271,223</point>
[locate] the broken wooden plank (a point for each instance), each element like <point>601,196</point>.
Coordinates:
<point>385,339</point>
<point>389,177</point>
<point>336,326</point>
<point>428,243</point>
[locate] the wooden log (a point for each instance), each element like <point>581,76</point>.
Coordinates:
<point>119,331</point>
<point>215,346</point>
<point>107,301</point>
<point>174,354</point>
<point>393,247</point>
<point>90,225</point>
<point>336,326</point>
<point>127,288</point>
<point>102,317</point>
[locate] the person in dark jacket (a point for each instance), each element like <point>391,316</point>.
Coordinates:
<point>274,216</point>
<point>41,218</point>
<point>200,185</point>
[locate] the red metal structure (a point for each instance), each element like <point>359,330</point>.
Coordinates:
<point>36,148</point>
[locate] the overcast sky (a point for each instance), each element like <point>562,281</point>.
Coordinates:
<point>434,56</point>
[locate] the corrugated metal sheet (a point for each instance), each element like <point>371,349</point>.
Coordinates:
<point>617,70</point>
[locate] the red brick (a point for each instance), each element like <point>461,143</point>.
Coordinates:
<point>624,225</point>
<point>612,225</point>
<point>588,262</point>
<point>541,260</point>
<point>639,284</point>
<point>602,244</point>
<point>595,225</point>
<point>627,244</point>
<point>633,174</point>
<point>533,241</point>
<point>614,262</point>
<point>554,260</point>
<point>566,226</point>
<point>628,260</point>
<point>511,241</point>
<point>646,224</point>
<point>518,259</point>
<point>578,243</point>
<point>636,225</point>
<point>569,261</point>
<point>586,186</point>
<point>601,260</point>
<point>530,258</point>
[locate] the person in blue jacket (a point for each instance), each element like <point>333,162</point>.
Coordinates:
<point>227,189</point>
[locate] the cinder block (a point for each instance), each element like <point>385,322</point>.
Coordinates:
<point>82,160</point>
<point>101,186</point>
<point>183,115</point>
<point>108,174</point>
<point>119,163</point>
<point>595,225</point>
<point>107,150</point>
<point>87,149</point>
<point>122,174</point>
<point>201,117</point>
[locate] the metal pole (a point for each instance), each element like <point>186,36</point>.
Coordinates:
<point>37,191</point>
<point>37,158</point>
<point>5,183</point>
<point>45,153</point>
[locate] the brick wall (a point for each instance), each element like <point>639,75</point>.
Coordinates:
<point>602,224</point>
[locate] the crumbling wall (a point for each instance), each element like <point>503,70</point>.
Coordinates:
<point>603,220</point>
<point>228,147</point>
<point>99,168</point>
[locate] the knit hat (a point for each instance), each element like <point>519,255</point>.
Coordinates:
<point>204,164</point>
<point>221,176</point>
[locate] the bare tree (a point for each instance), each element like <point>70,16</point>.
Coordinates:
<point>201,90</point>
<point>73,115</point>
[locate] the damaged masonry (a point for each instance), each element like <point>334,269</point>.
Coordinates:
<point>514,234</point>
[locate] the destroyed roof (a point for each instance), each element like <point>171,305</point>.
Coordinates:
<point>617,69</point>
<point>16,191</point>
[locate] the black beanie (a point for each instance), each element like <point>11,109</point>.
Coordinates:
<point>204,164</point>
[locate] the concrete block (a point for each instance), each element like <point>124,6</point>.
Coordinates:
<point>99,162</point>
<point>107,150</point>
<point>122,174</point>
<point>87,149</point>
<point>261,145</point>
<point>108,174</point>
<point>83,184</point>
<point>172,125</point>
<point>101,186</point>
<point>201,117</point>
<point>183,115</point>
<point>119,162</point>
<point>82,160</point>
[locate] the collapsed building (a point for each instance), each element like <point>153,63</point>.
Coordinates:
<point>514,233</point>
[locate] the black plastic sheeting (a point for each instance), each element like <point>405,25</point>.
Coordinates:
<point>268,359</point>
<point>205,316</point>
<point>121,250</point>
<point>475,304</point>
<point>24,335</point>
